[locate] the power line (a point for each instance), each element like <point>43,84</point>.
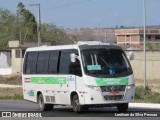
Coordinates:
<point>67,5</point>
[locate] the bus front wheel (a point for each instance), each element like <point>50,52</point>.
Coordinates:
<point>122,107</point>
<point>76,105</point>
<point>42,105</point>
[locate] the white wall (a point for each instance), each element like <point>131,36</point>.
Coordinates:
<point>5,63</point>
<point>5,71</point>
<point>152,65</point>
<point>5,59</point>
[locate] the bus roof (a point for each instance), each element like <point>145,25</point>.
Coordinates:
<point>73,46</point>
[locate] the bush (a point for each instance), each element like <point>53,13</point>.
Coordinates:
<point>146,95</point>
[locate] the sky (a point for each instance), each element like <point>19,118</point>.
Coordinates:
<point>91,13</point>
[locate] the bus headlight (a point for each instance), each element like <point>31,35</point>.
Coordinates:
<point>130,86</point>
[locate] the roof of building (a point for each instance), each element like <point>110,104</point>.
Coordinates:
<point>18,44</point>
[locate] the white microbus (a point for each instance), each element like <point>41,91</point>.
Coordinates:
<point>84,75</point>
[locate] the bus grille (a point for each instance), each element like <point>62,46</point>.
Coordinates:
<point>117,97</point>
<point>113,88</point>
<point>115,92</point>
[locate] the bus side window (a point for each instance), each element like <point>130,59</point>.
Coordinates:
<point>31,61</point>
<point>66,66</point>
<point>64,62</point>
<point>42,62</point>
<point>53,62</point>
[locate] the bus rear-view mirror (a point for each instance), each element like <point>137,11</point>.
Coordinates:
<point>131,56</point>
<point>73,57</point>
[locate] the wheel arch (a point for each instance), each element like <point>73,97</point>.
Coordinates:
<point>72,95</point>
<point>38,93</point>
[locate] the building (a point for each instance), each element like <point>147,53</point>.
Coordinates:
<point>135,36</point>
<point>12,58</point>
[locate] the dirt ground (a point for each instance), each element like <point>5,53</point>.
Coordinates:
<point>14,79</point>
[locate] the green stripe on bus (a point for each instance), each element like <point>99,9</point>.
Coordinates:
<point>48,80</point>
<point>112,81</point>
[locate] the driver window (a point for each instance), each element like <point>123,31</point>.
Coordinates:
<point>75,68</point>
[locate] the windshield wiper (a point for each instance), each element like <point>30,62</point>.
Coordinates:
<point>105,62</point>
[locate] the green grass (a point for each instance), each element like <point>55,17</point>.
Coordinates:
<point>146,96</point>
<point>14,97</point>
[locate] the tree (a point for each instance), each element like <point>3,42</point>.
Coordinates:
<point>8,27</point>
<point>51,33</point>
<point>26,19</point>
<point>23,26</point>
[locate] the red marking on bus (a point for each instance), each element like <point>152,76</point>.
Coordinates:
<point>114,93</point>
<point>27,80</point>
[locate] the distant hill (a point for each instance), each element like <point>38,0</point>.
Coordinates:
<point>98,34</point>
<point>87,34</point>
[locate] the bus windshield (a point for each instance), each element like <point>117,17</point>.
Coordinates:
<point>106,63</point>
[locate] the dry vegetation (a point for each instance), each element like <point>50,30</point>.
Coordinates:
<point>14,79</point>
<point>11,93</point>
<point>154,85</point>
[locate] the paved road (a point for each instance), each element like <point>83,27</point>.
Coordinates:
<point>63,111</point>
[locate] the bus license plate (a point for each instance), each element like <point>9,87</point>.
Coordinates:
<point>114,93</point>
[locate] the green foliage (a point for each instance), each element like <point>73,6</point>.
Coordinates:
<point>7,27</point>
<point>56,36</point>
<point>153,46</point>
<point>146,95</point>
<point>27,23</point>
<point>22,26</point>
<point>150,46</point>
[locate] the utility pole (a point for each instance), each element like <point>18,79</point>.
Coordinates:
<point>39,23</point>
<point>20,33</point>
<point>144,42</point>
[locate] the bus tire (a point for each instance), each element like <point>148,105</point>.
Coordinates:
<point>122,107</point>
<point>42,105</point>
<point>76,105</point>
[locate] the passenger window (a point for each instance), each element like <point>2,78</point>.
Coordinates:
<point>53,62</point>
<point>31,63</point>
<point>42,62</point>
<point>64,63</point>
